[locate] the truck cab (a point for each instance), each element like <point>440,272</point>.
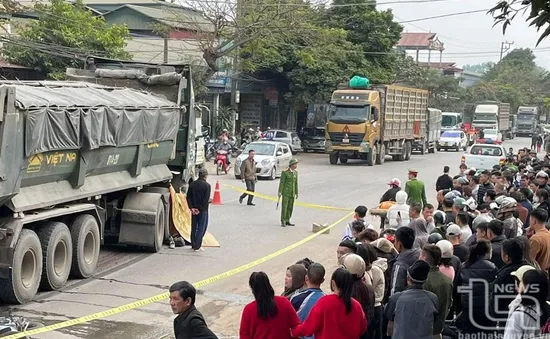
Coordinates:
<point>485,116</point>
<point>451,121</point>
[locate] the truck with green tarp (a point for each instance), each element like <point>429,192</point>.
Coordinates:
<point>86,162</point>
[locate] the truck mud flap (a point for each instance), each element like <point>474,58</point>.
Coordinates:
<point>139,218</point>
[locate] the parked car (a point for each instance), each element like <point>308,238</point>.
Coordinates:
<point>492,134</point>
<point>313,139</point>
<point>485,155</point>
<point>456,140</point>
<point>289,138</point>
<point>271,158</point>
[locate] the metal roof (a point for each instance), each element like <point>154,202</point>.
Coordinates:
<point>180,17</point>
<point>416,39</point>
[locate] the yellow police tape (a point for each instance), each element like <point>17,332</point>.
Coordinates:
<point>296,203</point>
<point>164,296</point>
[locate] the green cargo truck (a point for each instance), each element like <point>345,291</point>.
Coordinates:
<point>82,163</point>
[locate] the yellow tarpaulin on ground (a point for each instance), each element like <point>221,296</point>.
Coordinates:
<point>181,220</point>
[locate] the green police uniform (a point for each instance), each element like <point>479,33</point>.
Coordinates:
<point>416,192</point>
<point>288,190</point>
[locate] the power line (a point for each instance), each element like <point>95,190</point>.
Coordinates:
<point>444,16</point>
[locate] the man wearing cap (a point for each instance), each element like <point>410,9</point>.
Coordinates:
<point>198,199</point>
<point>454,236</point>
<point>542,179</point>
<point>288,190</point>
<point>415,189</point>
<point>412,313</point>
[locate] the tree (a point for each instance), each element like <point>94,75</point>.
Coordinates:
<point>307,62</point>
<point>505,12</point>
<point>374,31</point>
<point>225,26</point>
<point>516,79</point>
<point>64,36</point>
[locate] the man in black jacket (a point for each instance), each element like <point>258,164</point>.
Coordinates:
<point>495,233</point>
<point>503,289</point>
<point>189,324</point>
<point>444,181</point>
<point>198,199</point>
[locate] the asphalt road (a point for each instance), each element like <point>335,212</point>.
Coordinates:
<point>245,233</point>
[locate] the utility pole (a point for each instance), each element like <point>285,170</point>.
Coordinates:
<point>505,47</point>
<point>235,94</point>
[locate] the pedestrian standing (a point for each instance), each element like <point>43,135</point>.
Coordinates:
<point>539,243</point>
<point>268,316</point>
<point>439,284</point>
<point>189,324</point>
<point>198,199</point>
<point>288,190</point>
<point>248,175</point>
<point>412,313</point>
<point>336,315</point>
<point>415,189</point>
<point>444,181</point>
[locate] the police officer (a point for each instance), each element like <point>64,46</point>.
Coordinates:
<point>415,189</point>
<point>288,190</point>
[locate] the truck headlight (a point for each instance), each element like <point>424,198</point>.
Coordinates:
<point>265,162</point>
<point>364,144</point>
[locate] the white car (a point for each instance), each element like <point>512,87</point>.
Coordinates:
<point>484,156</point>
<point>456,140</point>
<point>271,157</point>
<point>492,134</point>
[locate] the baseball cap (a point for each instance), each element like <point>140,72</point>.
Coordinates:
<point>395,182</point>
<point>521,271</point>
<point>459,202</point>
<point>354,264</point>
<point>542,174</point>
<point>453,230</point>
<point>446,248</point>
<point>384,245</point>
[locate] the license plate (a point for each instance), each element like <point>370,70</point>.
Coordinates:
<point>345,141</point>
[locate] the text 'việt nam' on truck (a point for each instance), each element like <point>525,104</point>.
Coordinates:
<point>84,163</point>
<point>370,122</point>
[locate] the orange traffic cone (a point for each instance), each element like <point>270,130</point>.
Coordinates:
<point>217,200</point>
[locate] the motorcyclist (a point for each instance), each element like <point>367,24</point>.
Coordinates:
<point>225,146</point>
<point>224,136</point>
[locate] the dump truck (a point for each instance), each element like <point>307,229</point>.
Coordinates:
<point>527,117</point>
<point>84,163</point>
<point>492,115</point>
<point>369,122</point>
<point>431,132</point>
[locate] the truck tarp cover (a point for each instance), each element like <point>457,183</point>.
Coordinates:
<point>62,118</point>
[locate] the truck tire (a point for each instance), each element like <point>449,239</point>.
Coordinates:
<point>371,156</point>
<point>86,242</point>
<point>165,192</point>
<point>159,230</point>
<point>408,147</point>
<point>333,158</point>
<point>423,149</point>
<point>343,159</point>
<point>57,254</point>
<point>381,156</point>
<point>24,279</point>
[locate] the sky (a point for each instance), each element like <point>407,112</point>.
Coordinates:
<point>468,38</point>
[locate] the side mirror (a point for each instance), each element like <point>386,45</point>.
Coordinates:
<point>374,111</point>
<point>205,131</point>
<point>279,153</point>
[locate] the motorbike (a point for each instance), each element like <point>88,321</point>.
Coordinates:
<point>210,148</point>
<point>221,162</point>
<point>13,325</point>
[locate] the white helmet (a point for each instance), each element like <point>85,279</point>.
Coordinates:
<point>446,248</point>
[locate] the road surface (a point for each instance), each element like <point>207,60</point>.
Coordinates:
<point>245,233</point>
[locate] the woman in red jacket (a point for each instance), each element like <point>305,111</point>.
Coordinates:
<point>268,316</point>
<point>337,315</point>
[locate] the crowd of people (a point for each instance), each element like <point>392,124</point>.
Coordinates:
<point>473,265</point>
